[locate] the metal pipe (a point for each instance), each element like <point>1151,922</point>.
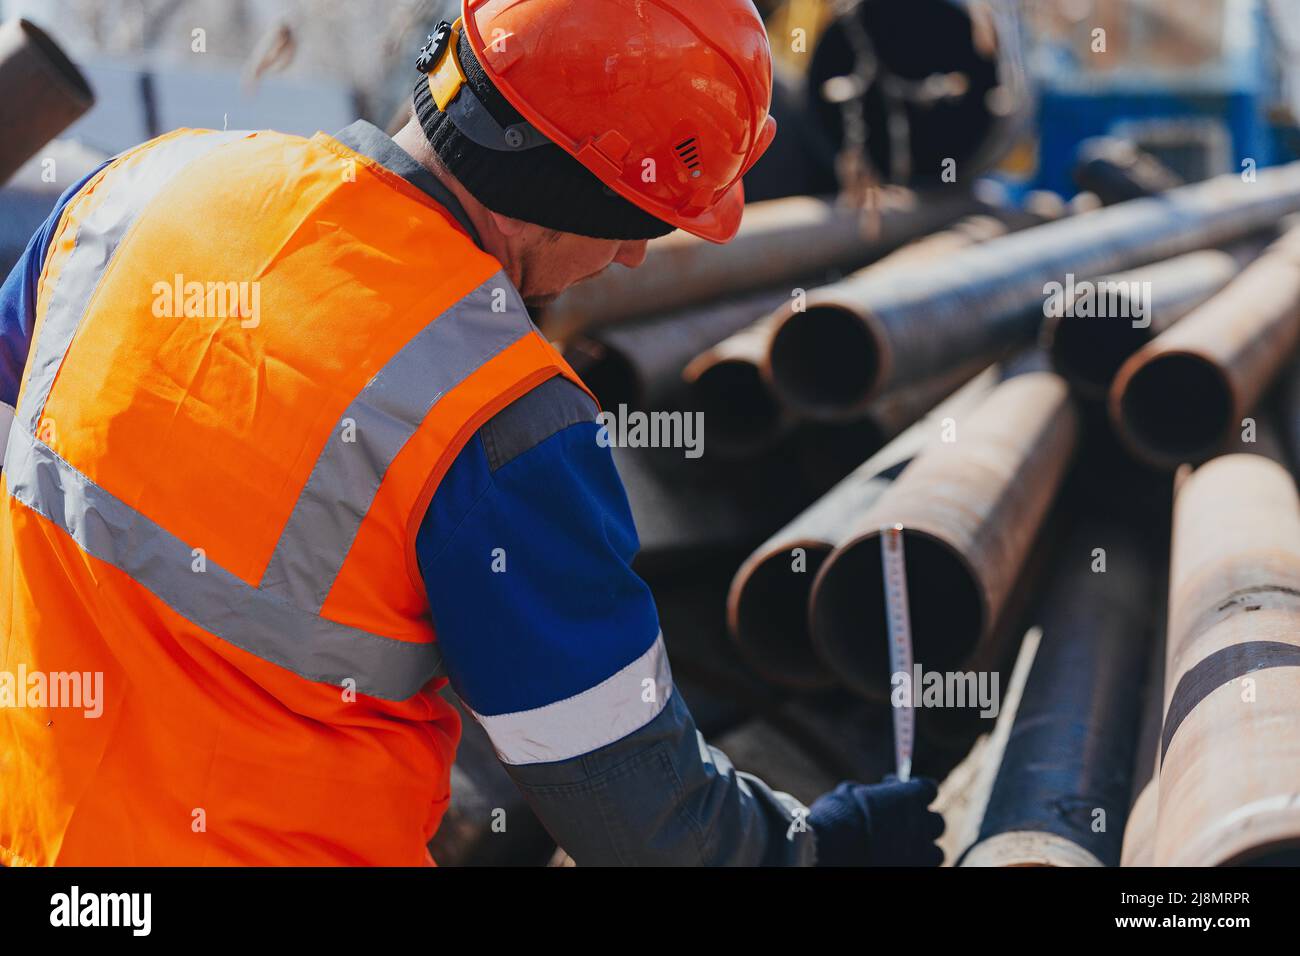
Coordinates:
<point>725,383</point>
<point>1068,762</point>
<point>1090,336</point>
<point>971,508</point>
<point>43,93</point>
<point>1288,415</point>
<point>1117,171</point>
<point>767,607</point>
<point>1181,397</point>
<point>779,241</point>
<point>1230,747</point>
<point>827,451</point>
<point>1139,842</point>
<point>638,363</point>
<point>865,336</point>
<point>907,90</point>
<point>728,383</point>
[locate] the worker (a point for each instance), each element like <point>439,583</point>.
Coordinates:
<point>287,455</point>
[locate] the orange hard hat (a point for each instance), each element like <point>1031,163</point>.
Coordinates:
<point>665,101</point>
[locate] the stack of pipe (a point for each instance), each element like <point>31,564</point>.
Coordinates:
<point>779,242</point>
<point>1230,747</point>
<point>971,506</point>
<point>730,381</point>
<point>865,336</point>
<point>1089,337</point>
<point>640,363</point>
<point>767,607</point>
<point>1182,396</point>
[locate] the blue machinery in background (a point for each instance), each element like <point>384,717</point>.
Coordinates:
<point>1200,118</point>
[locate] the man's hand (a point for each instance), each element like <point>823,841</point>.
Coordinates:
<point>888,824</point>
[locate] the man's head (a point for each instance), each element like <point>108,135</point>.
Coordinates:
<point>584,130</point>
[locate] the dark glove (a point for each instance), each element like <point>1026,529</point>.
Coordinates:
<point>888,824</point>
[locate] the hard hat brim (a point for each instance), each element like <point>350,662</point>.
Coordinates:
<point>721,222</point>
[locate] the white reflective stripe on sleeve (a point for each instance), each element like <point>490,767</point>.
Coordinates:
<point>6,422</point>
<point>617,706</point>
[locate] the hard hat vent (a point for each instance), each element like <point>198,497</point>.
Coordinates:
<point>688,152</point>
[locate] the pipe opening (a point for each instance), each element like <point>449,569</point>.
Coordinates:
<point>848,621</point>
<point>1090,351</point>
<point>825,360</point>
<point>1178,406</point>
<point>740,412</point>
<point>772,616</point>
<point>612,378</point>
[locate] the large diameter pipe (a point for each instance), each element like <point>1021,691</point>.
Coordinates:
<point>914,88</point>
<point>41,93</point>
<point>779,241</point>
<point>1062,791</point>
<point>1182,397</point>
<point>1230,749</point>
<point>1092,333</point>
<point>971,509</point>
<point>767,607</point>
<point>867,335</point>
<point>728,383</point>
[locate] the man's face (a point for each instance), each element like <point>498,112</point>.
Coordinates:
<point>549,261</point>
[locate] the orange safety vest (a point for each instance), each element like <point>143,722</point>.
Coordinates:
<point>255,356</point>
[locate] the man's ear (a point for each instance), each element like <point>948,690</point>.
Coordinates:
<point>507,226</point>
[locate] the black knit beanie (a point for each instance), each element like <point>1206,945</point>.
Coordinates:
<point>543,185</point>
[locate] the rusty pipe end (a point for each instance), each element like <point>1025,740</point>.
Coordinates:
<point>827,362</point>
<point>608,372</point>
<point>949,611</point>
<point>767,614</point>
<point>1171,407</point>
<point>741,415</point>
<point>1089,352</point>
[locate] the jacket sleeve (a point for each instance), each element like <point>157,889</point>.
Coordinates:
<point>552,641</point>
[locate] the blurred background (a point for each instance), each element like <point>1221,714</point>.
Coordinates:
<point>1010,88</point>
<point>984,144</point>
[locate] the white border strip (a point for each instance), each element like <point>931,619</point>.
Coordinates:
<point>577,725</point>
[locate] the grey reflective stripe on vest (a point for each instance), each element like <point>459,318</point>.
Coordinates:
<point>130,188</point>
<point>276,621</point>
<point>213,599</point>
<point>380,420</point>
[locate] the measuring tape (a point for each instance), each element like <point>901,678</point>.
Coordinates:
<point>894,572</point>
